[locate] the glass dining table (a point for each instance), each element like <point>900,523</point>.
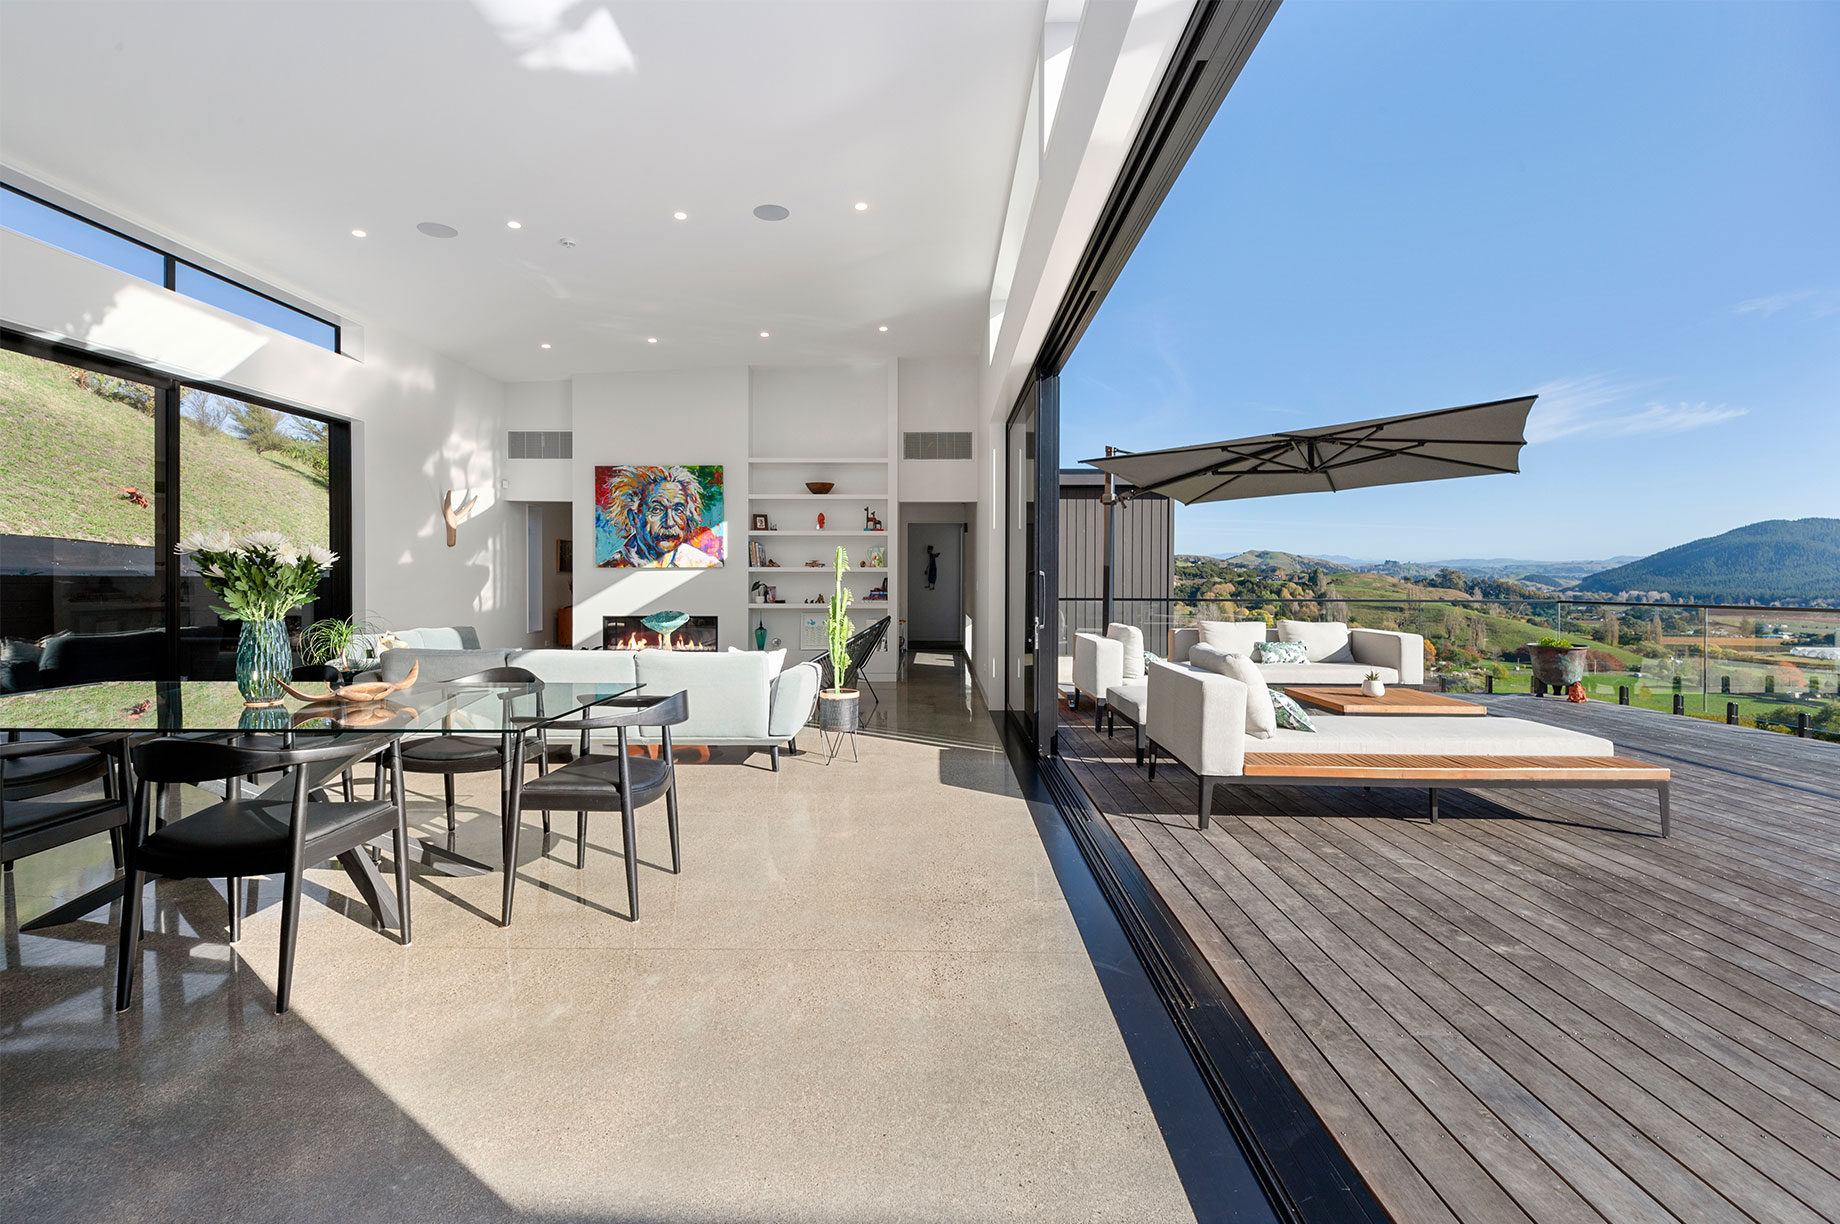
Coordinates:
<point>210,708</point>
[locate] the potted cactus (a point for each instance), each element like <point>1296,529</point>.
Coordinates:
<point>837,705</point>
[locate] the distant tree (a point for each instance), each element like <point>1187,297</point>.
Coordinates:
<point>1610,630</point>
<point>207,411</point>
<point>260,427</point>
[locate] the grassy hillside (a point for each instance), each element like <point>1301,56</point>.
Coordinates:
<point>1784,560</point>
<point>66,454</point>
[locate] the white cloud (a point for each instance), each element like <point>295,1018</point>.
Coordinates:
<point>1821,302</point>
<point>1595,404</point>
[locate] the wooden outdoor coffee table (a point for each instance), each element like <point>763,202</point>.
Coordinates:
<point>1350,700</point>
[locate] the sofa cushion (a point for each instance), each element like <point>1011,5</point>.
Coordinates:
<point>1437,735</point>
<point>577,666</point>
<point>1294,654</point>
<point>1261,721</point>
<point>1323,673</point>
<point>1129,700</point>
<point>1289,714</point>
<point>1239,637</point>
<point>728,692</point>
<point>1326,641</point>
<point>1132,639</point>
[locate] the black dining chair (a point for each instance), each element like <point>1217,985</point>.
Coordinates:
<point>452,755</point>
<point>619,783</point>
<point>41,807</point>
<point>859,649</point>
<point>248,836</point>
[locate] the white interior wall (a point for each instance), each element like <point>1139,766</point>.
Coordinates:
<point>422,424</point>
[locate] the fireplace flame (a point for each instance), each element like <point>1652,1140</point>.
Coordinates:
<point>651,641</point>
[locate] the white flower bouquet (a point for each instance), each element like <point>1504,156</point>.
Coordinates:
<point>261,576</point>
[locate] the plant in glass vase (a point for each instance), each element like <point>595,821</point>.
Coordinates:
<point>338,640</point>
<point>260,577</point>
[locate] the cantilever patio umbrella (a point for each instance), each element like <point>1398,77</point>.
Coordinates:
<point>1475,440</point>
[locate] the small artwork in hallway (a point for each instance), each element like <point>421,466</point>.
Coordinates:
<point>655,516</point>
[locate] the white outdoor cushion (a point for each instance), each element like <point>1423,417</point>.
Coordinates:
<point>1132,639</point>
<point>1261,719</point>
<point>1129,700</point>
<point>1436,735</point>
<point>1237,637</point>
<point>1323,673</point>
<point>1283,652</point>
<point>1326,641</point>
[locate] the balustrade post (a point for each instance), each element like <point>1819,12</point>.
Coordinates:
<point>1731,713</point>
<point>1622,694</point>
<point>1801,724</point>
<point>1680,703</point>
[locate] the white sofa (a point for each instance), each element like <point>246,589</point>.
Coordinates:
<point>1338,654</point>
<point>736,697</point>
<point>1199,718</point>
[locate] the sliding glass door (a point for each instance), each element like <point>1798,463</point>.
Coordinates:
<point>1031,527</point>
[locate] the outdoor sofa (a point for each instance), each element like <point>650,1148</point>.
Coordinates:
<point>1201,719</point>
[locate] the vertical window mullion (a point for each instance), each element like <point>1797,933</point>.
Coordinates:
<point>166,425</point>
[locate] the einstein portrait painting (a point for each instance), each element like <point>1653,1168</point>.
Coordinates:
<point>655,516</point>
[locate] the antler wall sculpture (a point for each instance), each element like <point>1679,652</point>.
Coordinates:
<point>453,516</point>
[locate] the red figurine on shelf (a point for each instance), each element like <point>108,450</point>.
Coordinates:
<point>820,522</point>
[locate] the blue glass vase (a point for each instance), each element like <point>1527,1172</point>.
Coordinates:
<point>263,661</point>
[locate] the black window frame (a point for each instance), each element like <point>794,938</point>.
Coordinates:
<point>169,476</point>
<point>170,273</point>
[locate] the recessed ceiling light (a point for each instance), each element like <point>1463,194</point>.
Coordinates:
<point>862,206</point>
<point>883,327</point>
<point>680,216</point>
<point>763,335</point>
<point>434,229</point>
<point>651,339</point>
<point>542,346</point>
<point>359,234</point>
<point>514,225</point>
<point>772,212</point>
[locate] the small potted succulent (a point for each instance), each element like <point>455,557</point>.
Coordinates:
<point>837,705</point>
<point>336,640</point>
<point>1557,664</point>
<point>1372,685</point>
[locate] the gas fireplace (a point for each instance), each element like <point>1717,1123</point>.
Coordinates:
<point>630,633</point>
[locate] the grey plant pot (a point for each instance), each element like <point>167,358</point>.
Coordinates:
<point>837,710</point>
<point>1558,667</point>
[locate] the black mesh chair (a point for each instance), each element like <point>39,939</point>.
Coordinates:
<point>598,783</point>
<point>41,810</point>
<point>860,647</point>
<point>237,837</point>
<point>452,755</point>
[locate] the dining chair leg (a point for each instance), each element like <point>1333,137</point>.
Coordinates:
<point>114,848</point>
<point>233,892</point>
<point>347,779</point>
<point>632,858</point>
<point>400,845</point>
<point>670,808</point>
<point>290,931</point>
<point>581,839</point>
<point>514,814</point>
<point>130,952</point>
<point>449,780</point>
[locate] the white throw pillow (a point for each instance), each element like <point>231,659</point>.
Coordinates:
<point>1324,641</point>
<point>1237,637</point>
<point>1261,721</point>
<point>1132,639</point>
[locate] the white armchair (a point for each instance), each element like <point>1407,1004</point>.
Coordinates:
<point>1403,652</point>
<point>1098,664</point>
<point>1199,718</point>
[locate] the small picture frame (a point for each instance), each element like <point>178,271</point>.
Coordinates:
<point>565,556</point>
<point>760,523</point>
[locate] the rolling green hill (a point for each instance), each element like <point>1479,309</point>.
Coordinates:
<point>1781,560</point>
<point>67,453</point>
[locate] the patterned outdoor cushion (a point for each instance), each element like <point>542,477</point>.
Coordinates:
<point>1290,715</point>
<point>1284,652</point>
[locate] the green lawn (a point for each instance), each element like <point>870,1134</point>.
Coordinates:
<point>67,453</point>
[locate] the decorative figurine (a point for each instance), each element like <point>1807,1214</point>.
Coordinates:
<point>870,522</point>
<point>820,522</point>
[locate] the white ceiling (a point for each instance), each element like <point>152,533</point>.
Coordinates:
<point>262,133</point>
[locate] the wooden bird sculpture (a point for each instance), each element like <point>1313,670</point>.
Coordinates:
<point>453,516</point>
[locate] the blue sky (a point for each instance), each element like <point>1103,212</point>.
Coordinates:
<point>1632,209</point>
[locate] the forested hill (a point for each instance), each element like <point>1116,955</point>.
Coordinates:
<point>1779,561</point>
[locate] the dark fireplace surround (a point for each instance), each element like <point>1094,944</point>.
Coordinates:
<point>630,633</point>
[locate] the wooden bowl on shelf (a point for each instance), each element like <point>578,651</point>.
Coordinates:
<point>820,487</point>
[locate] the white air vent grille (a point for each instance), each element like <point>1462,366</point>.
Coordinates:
<point>936,446</point>
<point>539,444</point>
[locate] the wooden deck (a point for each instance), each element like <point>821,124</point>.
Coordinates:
<point>1536,1010</point>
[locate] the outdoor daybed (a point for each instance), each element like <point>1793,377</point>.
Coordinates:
<point>1200,718</point>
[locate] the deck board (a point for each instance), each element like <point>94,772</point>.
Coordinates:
<point>1536,1009</point>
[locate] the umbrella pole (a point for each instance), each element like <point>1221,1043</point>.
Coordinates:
<point>1109,499</point>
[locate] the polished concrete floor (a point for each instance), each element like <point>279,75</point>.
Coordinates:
<point>864,999</point>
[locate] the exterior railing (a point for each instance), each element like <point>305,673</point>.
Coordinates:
<point>1776,668</point>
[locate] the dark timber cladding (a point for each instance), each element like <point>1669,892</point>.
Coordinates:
<point>1143,565</point>
<point>1536,1010</point>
